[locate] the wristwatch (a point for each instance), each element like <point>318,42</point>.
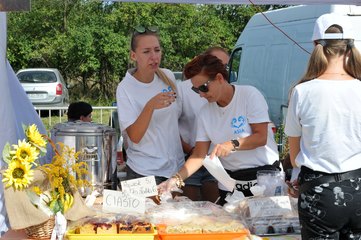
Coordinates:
<point>235,144</point>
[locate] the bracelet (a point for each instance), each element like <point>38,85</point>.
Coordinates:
<point>180,182</point>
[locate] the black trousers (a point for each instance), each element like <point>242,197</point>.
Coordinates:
<point>329,209</point>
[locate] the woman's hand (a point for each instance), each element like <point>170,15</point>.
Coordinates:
<point>222,150</point>
<point>293,189</point>
<point>162,100</point>
<point>169,185</point>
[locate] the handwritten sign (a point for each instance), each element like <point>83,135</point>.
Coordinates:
<point>144,186</point>
<point>269,206</point>
<point>120,202</point>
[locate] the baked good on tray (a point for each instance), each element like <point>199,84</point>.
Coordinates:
<point>184,228</point>
<point>142,227</point>
<point>223,227</point>
<point>125,227</point>
<point>86,229</point>
<point>95,227</point>
<point>107,228</point>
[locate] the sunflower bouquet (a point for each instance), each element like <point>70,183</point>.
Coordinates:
<point>61,177</point>
<point>22,157</point>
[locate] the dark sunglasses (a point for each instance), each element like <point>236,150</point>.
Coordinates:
<point>202,88</point>
<point>142,29</point>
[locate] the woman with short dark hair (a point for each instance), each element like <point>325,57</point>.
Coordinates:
<point>233,125</point>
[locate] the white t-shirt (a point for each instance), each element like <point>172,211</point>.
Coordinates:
<point>327,116</point>
<point>221,124</point>
<point>159,152</point>
<point>190,104</point>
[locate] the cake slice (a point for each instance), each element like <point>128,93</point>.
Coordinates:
<point>106,228</point>
<point>124,227</point>
<point>87,228</point>
<point>142,227</point>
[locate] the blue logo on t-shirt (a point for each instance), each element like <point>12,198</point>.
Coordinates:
<point>237,123</point>
<point>167,90</point>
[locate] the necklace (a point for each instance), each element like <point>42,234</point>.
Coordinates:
<point>336,73</point>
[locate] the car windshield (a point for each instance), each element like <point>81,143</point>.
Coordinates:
<point>37,77</point>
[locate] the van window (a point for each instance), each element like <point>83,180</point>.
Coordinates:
<point>234,64</point>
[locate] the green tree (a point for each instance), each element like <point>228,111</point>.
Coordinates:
<point>88,40</point>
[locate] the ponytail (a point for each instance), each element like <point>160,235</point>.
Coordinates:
<point>165,79</point>
<point>353,65</point>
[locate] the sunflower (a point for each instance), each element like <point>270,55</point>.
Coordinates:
<point>34,136</point>
<point>19,175</point>
<point>25,152</point>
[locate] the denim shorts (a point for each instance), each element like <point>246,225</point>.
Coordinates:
<point>199,177</point>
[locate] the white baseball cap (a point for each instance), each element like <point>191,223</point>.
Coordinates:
<point>329,19</point>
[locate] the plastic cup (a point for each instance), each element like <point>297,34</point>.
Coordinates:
<point>273,180</point>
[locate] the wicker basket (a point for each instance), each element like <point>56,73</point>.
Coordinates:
<point>41,231</point>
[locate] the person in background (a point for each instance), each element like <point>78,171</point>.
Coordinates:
<point>80,111</point>
<point>201,186</point>
<point>235,121</point>
<point>148,111</point>
<point>323,125</point>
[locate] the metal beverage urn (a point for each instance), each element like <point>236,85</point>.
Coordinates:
<point>97,144</point>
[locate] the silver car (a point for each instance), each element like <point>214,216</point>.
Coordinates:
<point>45,87</point>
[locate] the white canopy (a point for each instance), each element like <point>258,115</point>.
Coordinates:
<point>16,109</point>
<point>258,2</point>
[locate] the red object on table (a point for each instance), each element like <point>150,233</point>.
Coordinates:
<point>15,235</point>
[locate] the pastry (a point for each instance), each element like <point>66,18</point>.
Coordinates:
<point>106,228</point>
<point>87,228</point>
<point>142,227</point>
<point>125,227</point>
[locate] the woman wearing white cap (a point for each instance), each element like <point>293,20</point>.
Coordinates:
<point>324,128</point>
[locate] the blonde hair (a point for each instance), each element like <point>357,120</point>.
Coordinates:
<point>326,49</point>
<point>159,72</point>
<point>165,79</point>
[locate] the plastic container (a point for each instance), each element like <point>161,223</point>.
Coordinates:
<point>202,236</point>
<point>132,236</point>
<point>273,180</point>
<point>241,235</point>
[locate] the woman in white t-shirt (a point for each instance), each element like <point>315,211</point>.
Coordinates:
<point>148,111</point>
<point>324,128</point>
<point>235,121</point>
<point>201,186</point>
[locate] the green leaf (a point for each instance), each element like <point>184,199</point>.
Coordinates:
<point>6,153</point>
<point>25,127</point>
<point>41,149</point>
<point>56,206</point>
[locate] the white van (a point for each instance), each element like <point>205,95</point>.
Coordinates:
<point>266,58</point>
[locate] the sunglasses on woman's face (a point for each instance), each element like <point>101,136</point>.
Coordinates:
<point>142,29</point>
<point>202,88</point>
